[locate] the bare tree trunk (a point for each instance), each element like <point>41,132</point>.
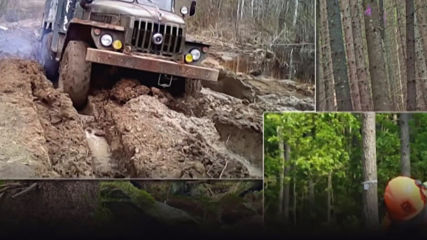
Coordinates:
<point>320,76</point>
<point>382,101</point>
<point>242,9</point>
<point>370,193</point>
<point>395,68</point>
<point>361,65</point>
<point>351,58</point>
<point>252,8</point>
<point>339,62</point>
<point>410,52</point>
<point>405,162</point>
<point>401,45</point>
<point>325,52</point>
<point>296,13</point>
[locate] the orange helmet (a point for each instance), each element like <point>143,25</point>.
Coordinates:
<point>405,198</point>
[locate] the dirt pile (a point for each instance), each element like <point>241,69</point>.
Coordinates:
<point>42,135</point>
<point>150,140</point>
<point>128,131</point>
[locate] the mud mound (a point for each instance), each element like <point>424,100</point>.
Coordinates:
<point>43,135</point>
<point>238,122</point>
<point>127,89</point>
<point>153,141</point>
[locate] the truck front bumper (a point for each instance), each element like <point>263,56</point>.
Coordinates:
<point>151,64</point>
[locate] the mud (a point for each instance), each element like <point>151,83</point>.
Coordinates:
<point>128,131</point>
<point>150,140</point>
<point>131,130</point>
<point>42,132</point>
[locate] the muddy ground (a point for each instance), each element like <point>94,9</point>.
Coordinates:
<point>131,130</point>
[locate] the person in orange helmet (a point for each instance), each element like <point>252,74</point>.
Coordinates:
<point>405,199</point>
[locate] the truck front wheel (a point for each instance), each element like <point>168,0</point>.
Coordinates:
<point>74,73</point>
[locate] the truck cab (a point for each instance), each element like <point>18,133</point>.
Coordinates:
<point>144,35</point>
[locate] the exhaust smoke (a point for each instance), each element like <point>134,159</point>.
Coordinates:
<point>20,28</point>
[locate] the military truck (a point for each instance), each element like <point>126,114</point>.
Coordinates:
<point>148,36</point>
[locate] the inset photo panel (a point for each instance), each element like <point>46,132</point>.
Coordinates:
<point>130,208</point>
<point>171,89</point>
<point>371,55</point>
<point>345,173</point>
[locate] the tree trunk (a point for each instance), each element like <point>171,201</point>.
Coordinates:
<point>339,62</point>
<point>366,100</point>
<point>295,13</point>
<point>395,69</point>
<point>382,101</point>
<point>287,183</point>
<point>421,6</point>
<point>295,200</point>
<point>370,193</point>
<point>405,162</point>
<point>281,169</point>
<point>401,45</point>
<point>329,199</point>
<point>311,199</point>
<point>320,77</point>
<point>325,52</point>
<point>351,58</point>
<point>410,52</point>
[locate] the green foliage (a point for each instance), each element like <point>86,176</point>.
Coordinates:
<point>331,143</point>
<point>109,190</point>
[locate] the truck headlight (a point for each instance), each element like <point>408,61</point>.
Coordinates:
<point>184,10</point>
<point>106,40</point>
<point>196,54</point>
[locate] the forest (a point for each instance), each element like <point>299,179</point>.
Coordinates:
<point>323,171</point>
<point>371,55</point>
<point>285,28</point>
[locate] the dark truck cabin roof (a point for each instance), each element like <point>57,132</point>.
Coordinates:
<point>166,5</point>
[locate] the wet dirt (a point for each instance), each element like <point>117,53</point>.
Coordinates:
<point>41,129</point>
<point>128,131</point>
<point>150,140</point>
<point>131,130</point>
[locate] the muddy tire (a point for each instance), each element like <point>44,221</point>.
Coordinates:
<point>192,87</point>
<point>74,73</point>
<point>47,58</point>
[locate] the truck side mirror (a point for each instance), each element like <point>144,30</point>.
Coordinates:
<point>84,3</point>
<point>193,8</point>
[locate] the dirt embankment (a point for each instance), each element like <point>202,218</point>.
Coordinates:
<point>128,131</point>
<point>42,135</point>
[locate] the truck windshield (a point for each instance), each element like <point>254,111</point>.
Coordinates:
<point>166,5</point>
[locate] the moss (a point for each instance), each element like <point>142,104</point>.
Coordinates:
<point>102,215</point>
<point>121,190</point>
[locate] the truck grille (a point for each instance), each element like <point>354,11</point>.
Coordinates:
<point>142,38</point>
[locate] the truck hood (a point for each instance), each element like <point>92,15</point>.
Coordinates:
<point>136,10</point>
